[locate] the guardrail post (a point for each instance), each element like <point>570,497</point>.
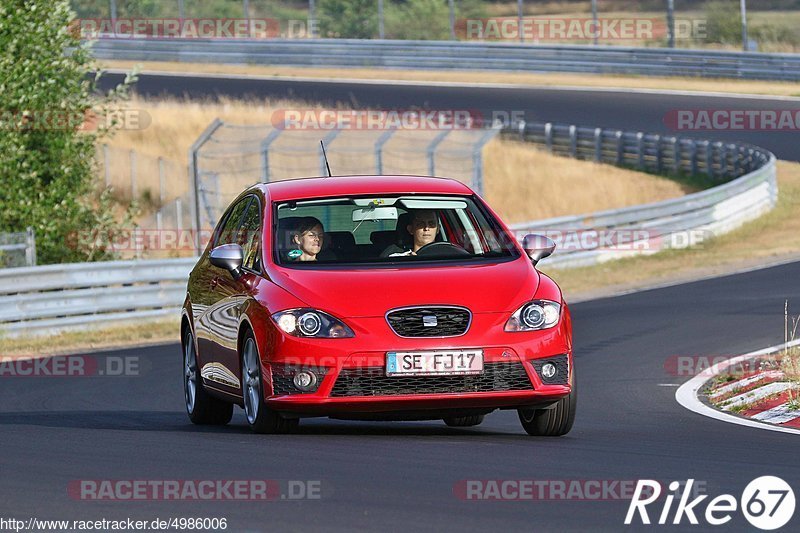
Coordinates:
<point>640,149</point>
<point>382,140</point>
<point>30,249</point>
<point>432,151</point>
<point>598,144</point>
<point>676,155</point>
<point>723,159</point>
<point>548,136</point>
<point>106,165</point>
<point>693,156</point>
<point>521,129</point>
<point>620,147</point>
<point>573,141</point>
<point>659,154</point>
<point>265,154</point>
<point>709,159</point>
<point>737,160</point>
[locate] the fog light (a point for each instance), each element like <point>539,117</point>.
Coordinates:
<point>304,380</point>
<point>549,370</point>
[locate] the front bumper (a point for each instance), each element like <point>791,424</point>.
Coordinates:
<point>353,380</point>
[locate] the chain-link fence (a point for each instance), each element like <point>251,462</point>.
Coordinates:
<point>227,158</point>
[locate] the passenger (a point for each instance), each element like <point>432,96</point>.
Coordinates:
<point>309,237</point>
<point>422,227</point>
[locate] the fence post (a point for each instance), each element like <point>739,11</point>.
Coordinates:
<point>620,147</point>
<point>452,19</point>
<point>179,214</point>
<point>383,139</point>
<point>159,222</point>
<point>640,149</point>
<point>477,157</point>
<point>381,31</point>
<point>598,145</point>
<point>548,136</point>
<point>30,249</point>
<point>134,190</point>
<point>312,19</point>
<point>573,141</point>
<point>194,178</point>
<point>265,154</point>
<point>106,163</point>
<point>432,151</point>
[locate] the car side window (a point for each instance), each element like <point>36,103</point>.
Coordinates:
<point>230,229</point>
<point>250,234</point>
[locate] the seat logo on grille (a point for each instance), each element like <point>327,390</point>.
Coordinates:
<point>429,321</point>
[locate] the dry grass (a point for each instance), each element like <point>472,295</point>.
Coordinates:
<point>772,237</point>
<point>522,182</point>
<point>144,333</point>
<point>540,79</point>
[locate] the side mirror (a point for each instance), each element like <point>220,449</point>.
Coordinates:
<point>229,257</point>
<point>538,246</point>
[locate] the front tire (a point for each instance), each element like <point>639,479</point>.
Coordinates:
<point>553,422</point>
<point>202,408</point>
<point>260,418</point>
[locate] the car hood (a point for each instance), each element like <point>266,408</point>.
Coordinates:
<point>369,292</point>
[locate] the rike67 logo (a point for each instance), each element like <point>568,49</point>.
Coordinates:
<point>767,503</point>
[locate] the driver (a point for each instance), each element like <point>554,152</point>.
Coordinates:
<point>422,227</point>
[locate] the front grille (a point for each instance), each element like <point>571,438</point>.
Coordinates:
<point>373,381</point>
<point>561,362</point>
<point>282,377</point>
<point>411,322</point>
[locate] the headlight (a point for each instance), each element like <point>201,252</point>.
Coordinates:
<point>535,315</point>
<point>311,323</point>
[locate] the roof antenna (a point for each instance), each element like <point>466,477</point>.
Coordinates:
<point>326,159</point>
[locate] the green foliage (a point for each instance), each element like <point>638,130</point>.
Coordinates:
<point>46,161</point>
<point>349,19</point>
<point>418,19</point>
<point>724,23</point>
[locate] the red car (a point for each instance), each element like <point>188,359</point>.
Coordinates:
<point>374,298</point>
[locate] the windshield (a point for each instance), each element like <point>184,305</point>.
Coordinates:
<point>387,229</point>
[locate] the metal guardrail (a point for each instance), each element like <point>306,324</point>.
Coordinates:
<point>54,297</point>
<point>35,300</point>
<point>649,228</point>
<point>449,55</point>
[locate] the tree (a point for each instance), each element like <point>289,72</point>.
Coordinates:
<point>47,158</point>
<point>351,19</point>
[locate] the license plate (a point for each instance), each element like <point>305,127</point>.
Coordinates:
<point>440,363</point>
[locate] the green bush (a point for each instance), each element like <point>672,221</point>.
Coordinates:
<point>724,23</point>
<point>349,19</point>
<point>46,162</point>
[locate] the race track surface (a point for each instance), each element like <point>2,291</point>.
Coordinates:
<point>400,476</point>
<point>609,109</point>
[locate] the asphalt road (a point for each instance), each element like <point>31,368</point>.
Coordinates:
<point>400,476</point>
<point>623,110</point>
